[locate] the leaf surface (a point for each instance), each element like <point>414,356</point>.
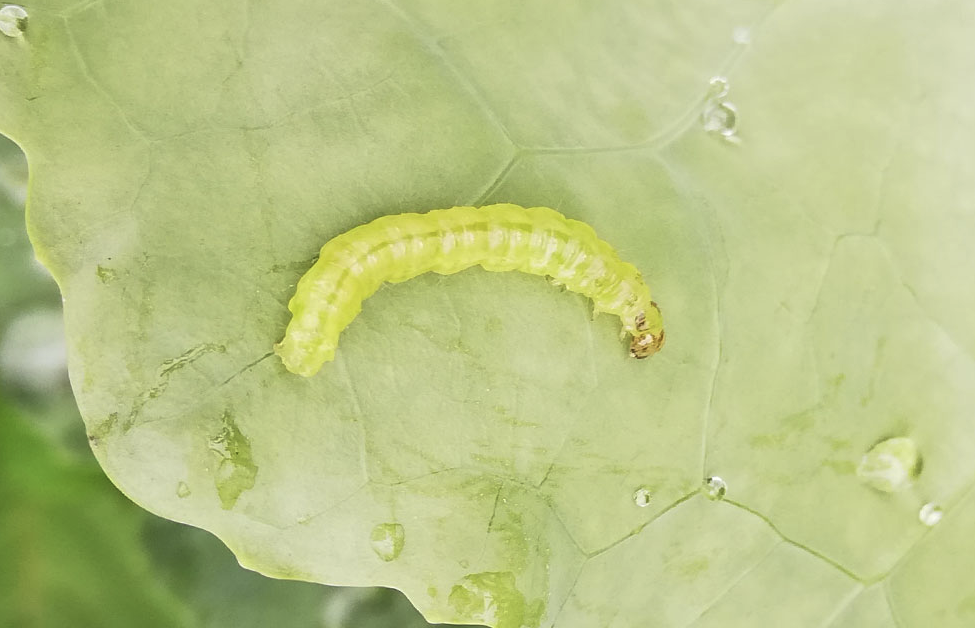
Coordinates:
<point>189,160</point>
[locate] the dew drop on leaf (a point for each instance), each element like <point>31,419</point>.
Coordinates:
<point>930,514</point>
<point>642,497</point>
<point>13,20</point>
<point>718,87</point>
<point>891,465</point>
<point>715,488</point>
<point>720,118</point>
<point>234,470</point>
<point>182,490</point>
<point>387,540</point>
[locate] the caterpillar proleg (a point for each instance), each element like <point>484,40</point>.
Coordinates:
<point>536,240</point>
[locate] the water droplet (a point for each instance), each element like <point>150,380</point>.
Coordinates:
<point>741,35</point>
<point>930,514</point>
<point>891,465</point>
<point>230,456</point>
<point>715,488</point>
<point>642,497</point>
<point>182,490</point>
<point>13,20</point>
<point>718,87</point>
<point>720,118</point>
<point>387,540</point>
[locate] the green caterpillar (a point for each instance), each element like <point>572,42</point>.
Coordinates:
<point>538,240</point>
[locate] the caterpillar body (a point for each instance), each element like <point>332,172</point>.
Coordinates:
<point>504,237</point>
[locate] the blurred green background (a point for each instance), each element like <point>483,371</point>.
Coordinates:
<point>73,550</point>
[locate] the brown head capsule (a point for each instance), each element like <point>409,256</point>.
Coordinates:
<point>646,344</point>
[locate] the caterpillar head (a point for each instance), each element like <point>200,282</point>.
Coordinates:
<point>645,343</point>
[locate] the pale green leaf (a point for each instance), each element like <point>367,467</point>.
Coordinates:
<point>188,161</point>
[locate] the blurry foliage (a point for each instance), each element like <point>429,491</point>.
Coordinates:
<point>74,551</point>
<point>70,543</point>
